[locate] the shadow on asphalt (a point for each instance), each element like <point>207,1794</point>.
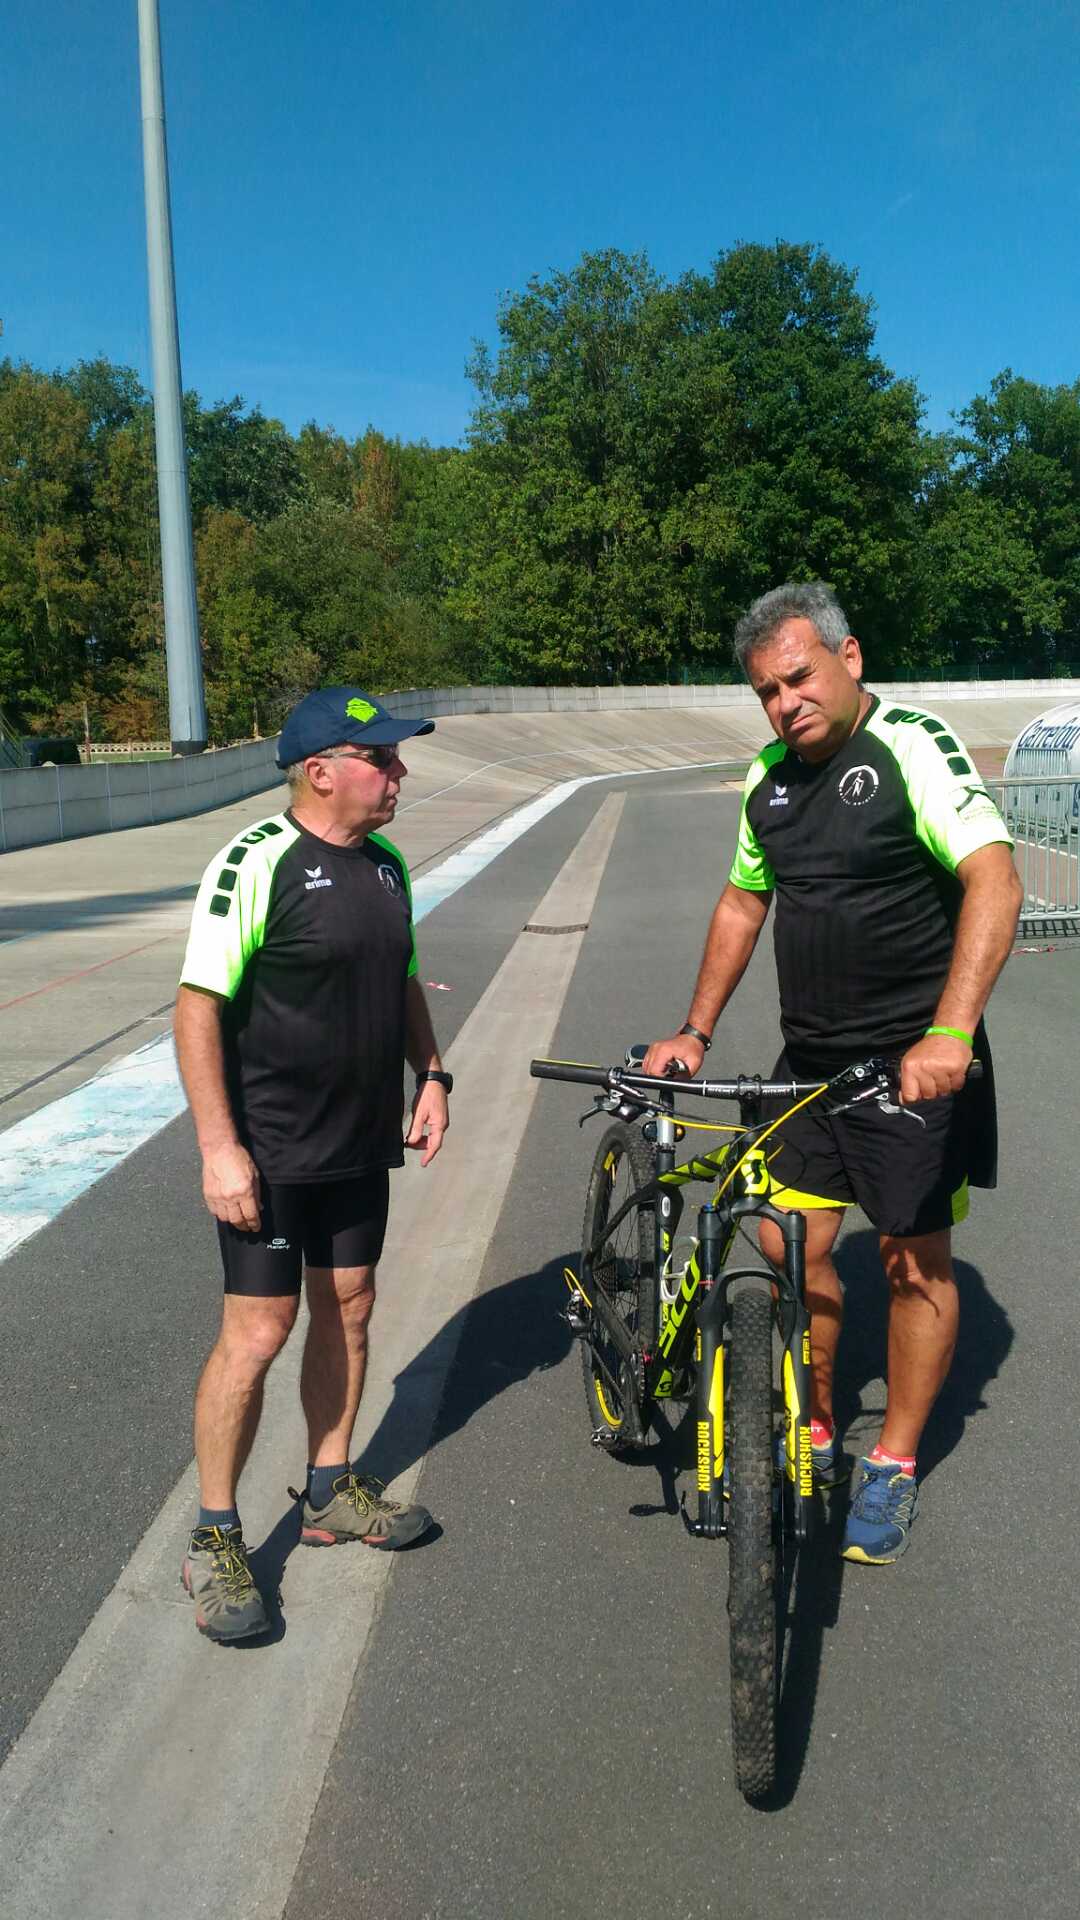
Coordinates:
<point>89,910</point>
<point>512,1331</point>
<point>509,1332</point>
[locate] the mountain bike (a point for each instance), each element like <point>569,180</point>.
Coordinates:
<point>656,1327</point>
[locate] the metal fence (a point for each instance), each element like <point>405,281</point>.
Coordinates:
<point>1043,816</point>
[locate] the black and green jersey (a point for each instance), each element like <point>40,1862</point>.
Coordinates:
<point>862,852</point>
<point>310,946</point>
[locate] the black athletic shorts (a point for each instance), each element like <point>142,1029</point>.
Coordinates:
<point>908,1179</point>
<point>339,1223</point>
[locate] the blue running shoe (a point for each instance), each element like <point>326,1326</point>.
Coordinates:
<point>883,1507</point>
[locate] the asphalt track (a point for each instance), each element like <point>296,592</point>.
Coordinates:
<point>538,1720</point>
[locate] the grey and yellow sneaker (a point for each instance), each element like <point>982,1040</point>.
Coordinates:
<point>228,1604</point>
<point>358,1511</point>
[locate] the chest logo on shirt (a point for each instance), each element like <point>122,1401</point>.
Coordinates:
<point>390,880</point>
<point>858,786</point>
<point>780,797</point>
<point>315,879</point>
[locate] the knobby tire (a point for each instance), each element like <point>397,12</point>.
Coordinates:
<point>624,1270</point>
<point>752,1545</point>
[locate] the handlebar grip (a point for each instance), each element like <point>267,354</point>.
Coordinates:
<point>571,1070</point>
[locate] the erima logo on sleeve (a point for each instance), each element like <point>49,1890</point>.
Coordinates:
<point>780,797</point>
<point>315,879</point>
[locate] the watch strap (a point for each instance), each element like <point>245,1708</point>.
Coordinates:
<point>695,1033</point>
<point>434,1073</point>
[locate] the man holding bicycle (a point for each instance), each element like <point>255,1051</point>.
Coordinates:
<point>896,908</point>
<point>298,1006</point>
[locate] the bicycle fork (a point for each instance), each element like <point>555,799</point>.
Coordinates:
<point>795,1374</point>
<point>710,1375</point>
<point>713,1242</point>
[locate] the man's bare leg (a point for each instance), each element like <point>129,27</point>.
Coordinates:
<point>924,1314</point>
<point>824,1299</point>
<point>340,1300</point>
<point>331,1383</point>
<point>228,1401</point>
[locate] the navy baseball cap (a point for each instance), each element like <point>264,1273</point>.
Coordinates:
<point>339,716</point>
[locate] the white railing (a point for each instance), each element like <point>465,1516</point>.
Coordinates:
<point>1043,816</point>
<point>124,750</point>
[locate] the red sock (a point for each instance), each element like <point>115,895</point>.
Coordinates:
<point>821,1433</point>
<point>906,1463</point>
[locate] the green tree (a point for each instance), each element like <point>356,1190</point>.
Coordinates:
<point>238,462</point>
<point>819,456</point>
<point>1018,455</point>
<point>46,592</point>
<point>650,457</point>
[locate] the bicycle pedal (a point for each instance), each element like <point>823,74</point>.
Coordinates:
<point>575,1316</point>
<point>603,1438</point>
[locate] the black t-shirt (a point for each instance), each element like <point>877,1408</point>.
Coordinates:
<point>310,945</point>
<point>862,851</point>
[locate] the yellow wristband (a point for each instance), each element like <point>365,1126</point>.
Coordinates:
<point>954,1033</point>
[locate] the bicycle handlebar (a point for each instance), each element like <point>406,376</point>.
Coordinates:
<point>744,1088</point>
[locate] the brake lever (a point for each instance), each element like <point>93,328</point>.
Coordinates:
<point>608,1103</point>
<point>879,1092</point>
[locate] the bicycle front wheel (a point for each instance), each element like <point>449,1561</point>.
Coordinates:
<point>752,1544</point>
<point>620,1263</point>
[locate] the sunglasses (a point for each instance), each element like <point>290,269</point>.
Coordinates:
<point>381,757</point>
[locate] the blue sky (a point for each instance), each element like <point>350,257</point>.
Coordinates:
<point>355,182</point>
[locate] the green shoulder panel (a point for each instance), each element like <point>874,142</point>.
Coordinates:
<point>380,840</point>
<point>750,869</point>
<point>954,814</point>
<point>229,919</point>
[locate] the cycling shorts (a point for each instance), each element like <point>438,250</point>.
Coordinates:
<point>908,1178</point>
<point>339,1223</point>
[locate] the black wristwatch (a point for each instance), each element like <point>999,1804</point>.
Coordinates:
<point>696,1034</point>
<point>444,1079</point>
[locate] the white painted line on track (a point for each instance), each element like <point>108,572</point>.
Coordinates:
<point>162,1778</point>
<point>54,1155</point>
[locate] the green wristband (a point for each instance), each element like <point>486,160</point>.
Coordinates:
<point>954,1033</point>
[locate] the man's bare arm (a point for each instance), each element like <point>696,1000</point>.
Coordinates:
<point>985,930</point>
<point>738,918</point>
<point>230,1179</point>
<point>430,1108</point>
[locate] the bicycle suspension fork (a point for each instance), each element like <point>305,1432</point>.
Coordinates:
<point>712,1248</point>
<point>796,1372</point>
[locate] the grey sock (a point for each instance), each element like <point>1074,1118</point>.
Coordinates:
<point>320,1484</point>
<point>218,1517</point>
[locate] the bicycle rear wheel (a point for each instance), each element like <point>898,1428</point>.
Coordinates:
<point>620,1265</point>
<point>752,1545</point>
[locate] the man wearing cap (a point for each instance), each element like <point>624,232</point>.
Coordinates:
<point>298,1006</point>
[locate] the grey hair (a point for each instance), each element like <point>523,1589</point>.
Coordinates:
<point>811,600</point>
<point>296,778</point>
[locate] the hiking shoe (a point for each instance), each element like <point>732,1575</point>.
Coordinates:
<point>358,1511</point>
<point>883,1507</point>
<point>228,1604</point>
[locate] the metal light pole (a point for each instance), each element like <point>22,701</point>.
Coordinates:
<point>187,706</point>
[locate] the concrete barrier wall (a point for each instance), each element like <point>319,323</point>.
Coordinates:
<point>43,804</point>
